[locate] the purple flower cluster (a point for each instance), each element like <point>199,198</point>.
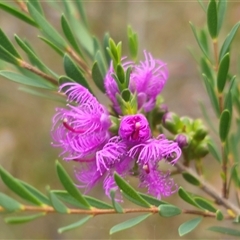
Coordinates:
<point>82,131</point>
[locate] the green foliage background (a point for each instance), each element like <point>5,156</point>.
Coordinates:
<point>25,120</point>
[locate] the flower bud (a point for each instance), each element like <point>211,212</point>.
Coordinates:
<point>182,140</point>
<point>200,133</point>
<point>201,150</point>
<point>171,122</point>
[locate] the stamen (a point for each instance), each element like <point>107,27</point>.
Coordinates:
<point>67,126</point>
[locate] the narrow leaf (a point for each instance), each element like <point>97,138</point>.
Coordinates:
<point>57,204</point>
<point>98,77</point>
<point>24,219</point>
<point>206,69</point>
<point>191,179</point>
<point>97,203</point>
<point>81,11</point>
<point>219,215</point>
<point>186,197</point>
<point>74,225</point>
<point>167,210</point>
<point>227,42</point>
<point>128,190</point>
<point>8,57</point>
<point>189,226</point>
<point>15,12</point>
<point>101,63</point>
<point>224,230</point>
<point>223,72</point>
<point>37,6</point>
<point>115,204</point>
<point>222,7</point>
<point>9,204</point>
<point>204,204</point>
<point>70,186</point>
<point>214,151</point>
<point>151,200</point>
<point>212,19</point>
<point>129,223</point>
<point>73,71</point>
<point>224,125</point>
<point>16,77</point>
<point>18,188</point>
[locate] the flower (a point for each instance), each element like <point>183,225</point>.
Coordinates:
<point>82,128</point>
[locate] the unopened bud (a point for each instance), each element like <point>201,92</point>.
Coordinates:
<point>171,122</point>
<point>201,150</point>
<point>200,133</point>
<point>182,140</point>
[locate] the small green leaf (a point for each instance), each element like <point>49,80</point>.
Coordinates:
<point>204,204</point>
<point>101,63</point>
<point>9,204</point>
<point>211,94</point>
<point>69,35</point>
<point>224,125</point>
<point>219,215</point>
<point>203,38</point>
<point>8,57</point>
<point>227,42</point>
<point>57,204</point>
<point>98,77</point>
<point>212,19</point>
<point>15,12</point>
<point>81,11</point>
<point>223,72</point>
<point>224,230</point>
<point>189,226</point>
<point>186,197</point>
<point>6,43</point>
<point>45,26</point>
<point>16,77</point>
<point>126,95</point>
<point>24,219</point>
<point>206,69</point>
<point>151,200</point>
<point>222,7</point>
<point>191,179</point>
<point>214,151</point>
<point>228,102</point>
<point>70,186</point>
<point>198,40</point>
<point>167,210</point>
<point>129,223</point>
<point>97,203</point>
<point>74,72</point>
<point>74,225</point>
<point>105,45</point>
<point>18,188</point>
<point>128,190</point>
<point>115,204</point>
<point>37,6</point>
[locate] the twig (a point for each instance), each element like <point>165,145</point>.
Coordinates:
<point>207,188</point>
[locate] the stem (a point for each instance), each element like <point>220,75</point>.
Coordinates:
<point>97,211</point>
<point>215,49</point>
<point>38,72</point>
<point>207,188</point>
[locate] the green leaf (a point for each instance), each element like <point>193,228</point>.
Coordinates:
<point>105,45</point>
<point>70,186</point>
<point>222,7</point>
<point>18,188</point>
<point>41,197</point>
<point>211,94</point>
<point>101,63</point>
<point>57,204</point>
<point>129,223</point>
<point>167,210</point>
<point>15,12</point>
<point>53,46</point>
<point>219,215</point>
<point>115,204</point>
<point>189,226</point>
<point>128,190</point>
<point>186,197</point>
<point>37,6</point>
<point>212,19</point>
<point>16,77</point>
<point>228,99</point>
<point>223,72</point>
<point>69,35</point>
<point>191,179</point>
<point>206,69</point>
<point>204,40</point>
<point>8,57</point>
<point>98,77</point>
<point>227,42</point>
<point>74,72</point>
<point>151,200</point>
<point>214,151</point>
<point>64,79</point>
<point>224,230</point>
<point>9,204</point>
<point>24,219</point>
<point>202,5</point>
<point>81,11</point>
<point>74,225</point>
<point>224,125</point>
<point>45,26</point>
<point>198,40</point>
<point>204,204</point>
<point>6,43</point>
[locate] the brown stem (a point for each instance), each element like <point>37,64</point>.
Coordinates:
<point>38,72</point>
<point>207,188</point>
<point>215,49</point>
<point>22,6</point>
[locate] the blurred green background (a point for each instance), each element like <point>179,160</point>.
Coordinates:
<point>25,120</point>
